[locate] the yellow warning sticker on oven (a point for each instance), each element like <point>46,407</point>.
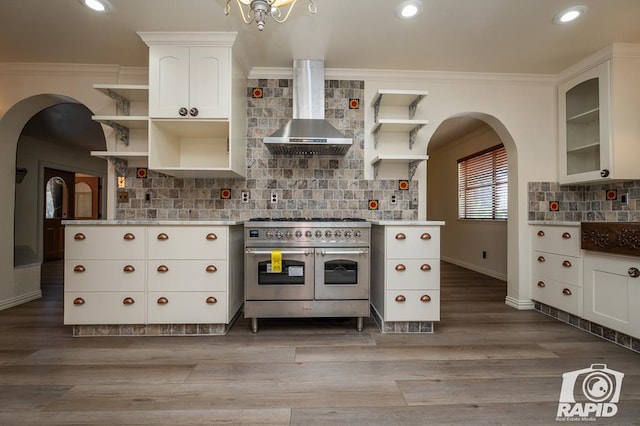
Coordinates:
<point>276,261</point>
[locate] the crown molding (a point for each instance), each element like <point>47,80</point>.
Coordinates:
<point>188,38</point>
<point>51,69</point>
<point>615,50</point>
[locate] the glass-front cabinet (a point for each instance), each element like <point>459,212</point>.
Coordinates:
<point>584,126</point>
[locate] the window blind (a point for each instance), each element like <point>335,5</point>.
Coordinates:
<point>482,185</point>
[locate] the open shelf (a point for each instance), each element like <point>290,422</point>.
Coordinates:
<point>412,161</point>
<point>128,121</point>
<point>131,92</point>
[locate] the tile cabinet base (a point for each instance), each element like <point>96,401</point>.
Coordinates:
<point>401,326</point>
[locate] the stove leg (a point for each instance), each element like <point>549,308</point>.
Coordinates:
<point>254,325</point>
<point>359,323</point>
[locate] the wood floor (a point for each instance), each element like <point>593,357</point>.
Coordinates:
<point>486,363</point>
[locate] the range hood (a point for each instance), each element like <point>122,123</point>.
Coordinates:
<point>308,132</point>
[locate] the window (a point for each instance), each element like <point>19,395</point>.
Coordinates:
<point>482,185</point>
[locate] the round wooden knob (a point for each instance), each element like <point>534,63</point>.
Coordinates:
<point>566,264</point>
<point>129,236</point>
<point>79,268</point>
<point>566,235</point>
<point>425,298</point>
<point>78,301</point>
<point>400,298</point>
<point>400,267</point>
<point>211,300</point>
<point>425,236</point>
<point>211,236</point>
<point>128,301</point>
<point>79,236</point>
<point>212,268</point>
<point>541,259</point>
<point>566,292</point>
<point>129,268</point>
<point>541,284</point>
<point>540,233</point>
<point>162,236</point>
<point>162,301</point>
<point>163,268</point>
<point>401,236</point>
<point>425,267</point>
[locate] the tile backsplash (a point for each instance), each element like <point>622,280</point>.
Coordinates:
<point>585,203</point>
<point>306,186</point>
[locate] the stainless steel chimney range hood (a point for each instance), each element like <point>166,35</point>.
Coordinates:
<point>308,133</point>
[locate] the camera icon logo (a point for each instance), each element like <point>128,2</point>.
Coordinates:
<point>590,392</point>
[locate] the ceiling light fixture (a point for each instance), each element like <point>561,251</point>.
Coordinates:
<point>569,15</point>
<point>409,9</point>
<point>96,5</point>
<point>258,10</point>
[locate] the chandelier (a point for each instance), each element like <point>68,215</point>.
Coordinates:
<point>258,10</point>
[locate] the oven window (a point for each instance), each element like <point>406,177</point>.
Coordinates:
<point>341,272</point>
<point>292,273</point>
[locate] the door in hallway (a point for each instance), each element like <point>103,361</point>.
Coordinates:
<point>59,202</point>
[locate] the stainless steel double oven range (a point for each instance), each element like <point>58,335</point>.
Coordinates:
<point>313,267</point>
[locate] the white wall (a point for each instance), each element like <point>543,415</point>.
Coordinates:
<point>463,241</point>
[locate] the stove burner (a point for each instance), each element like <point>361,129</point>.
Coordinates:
<point>306,219</point>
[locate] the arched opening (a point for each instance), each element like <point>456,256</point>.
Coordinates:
<point>479,245</point>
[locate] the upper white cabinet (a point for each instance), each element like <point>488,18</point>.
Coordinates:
<point>189,82</point>
<point>598,122</point>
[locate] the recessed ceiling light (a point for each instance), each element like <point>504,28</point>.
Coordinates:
<point>569,15</point>
<point>97,5</point>
<point>409,9</point>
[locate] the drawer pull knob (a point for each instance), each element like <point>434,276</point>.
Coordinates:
<point>425,298</point>
<point>211,300</point>
<point>129,236</point>
<point>211,236</point>
<point>400,298</point>
<point>128,301</point>
<point>79,236</point>
<point>566,292</point>
<point>633,272</point>
<point>566,264</point>
<point>163,268</point>
<point>78,301</point>
<point>541,284</point>
<point>541,259</point>
<point>540,233</point>
<point>566,235</point>
<point>162,301</point>
<point>400,267</point>
<point>183,112</point>
<point>425,236</point>
<point>425,267</point>
<point>193,112</point>
<point>212,268</point>
<point>401,236</point>
<point>129,268</point>
<point>162,236</point>
<point>79,268</point>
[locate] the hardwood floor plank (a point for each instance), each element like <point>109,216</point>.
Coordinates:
<point>28,397</point>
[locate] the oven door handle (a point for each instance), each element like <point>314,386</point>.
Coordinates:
<point>362,251</point>
<point>298,252</point>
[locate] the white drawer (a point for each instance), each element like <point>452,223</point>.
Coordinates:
<point>556,239</point>
<point>187,242</point>
<point>105,242</point>
<point>104,275</point>
<point>560,295</point>
<point>104,308</point>
<point>187,275</point>
<point>561,268</point>
<point>410,242</point>
<point>186,307</point>
<point>413,274</point>
<point>409,305</point>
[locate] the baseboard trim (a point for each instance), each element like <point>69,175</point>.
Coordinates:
<point>521,305</point>
<point>19,300</point>
<point>475,268</point>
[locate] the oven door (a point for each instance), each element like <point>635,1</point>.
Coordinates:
<point>293,282</point>
<point>342,274</point>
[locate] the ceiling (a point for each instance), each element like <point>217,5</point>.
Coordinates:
<point>498,36</point>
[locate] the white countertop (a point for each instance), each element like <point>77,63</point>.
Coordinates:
<point>408,222</point>
<point>154,222</point>
<point>553,223</point>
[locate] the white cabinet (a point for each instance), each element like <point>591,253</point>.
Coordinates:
<point>189,82</point>
<point>612,291</point>
<point>104,274</point>
<point>557,267</point>
<point>405,278</point>
<point>598,123</point>
<point>401,106</point>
